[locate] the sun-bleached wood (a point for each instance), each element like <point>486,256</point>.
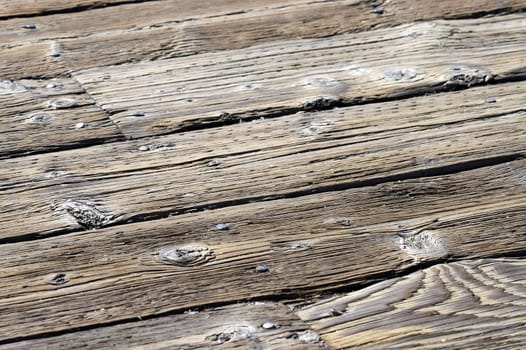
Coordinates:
<point>265,80</point>
<point>238,326</point>
<point>262,160</point>
<point>44,115</point>
<point>164,29</point>
<point>309,244</point>
<point>468,304</point>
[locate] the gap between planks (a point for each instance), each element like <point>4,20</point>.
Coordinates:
<point>151,99</point>
<point>320,243</point>
<point>295,155</point>
<point>149,31</point>
<point>317,92</point>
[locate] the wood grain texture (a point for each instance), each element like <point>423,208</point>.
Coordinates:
<point>460,305</point>
<point>129,17</point>
<point>164,29</point>
<point>32,61</point>
<point>263,159</point>
<point>313,243</point>
<point>111,35</point>
<point>269,79</point>
<point>238,326</point>
<point>44,115</point>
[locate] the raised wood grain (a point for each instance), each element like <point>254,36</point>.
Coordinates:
<point>238,326</point>
<point>263,159</point>
<point>314,243</point>
<point>270,79</point>
<point>31,61</point>
<point>133,16</point>
<point>164,29</point>
<point>461,305</point>
<point>44,115</point>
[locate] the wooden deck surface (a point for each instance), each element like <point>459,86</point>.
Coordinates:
<point>299,174</point>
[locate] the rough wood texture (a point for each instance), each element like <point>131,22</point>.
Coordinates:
<point>148,98</point>
<point>163,29</point>
<point>263,159</point>
<point>460,305</point>
<point>238,326</point>
<point>312,243</point>
<point>301,151</point>
<point>47,115</point>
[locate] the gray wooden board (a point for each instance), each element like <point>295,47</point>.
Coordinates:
<point>238,326</point>
<point>260,160</point>
<point>43,115</point>
<point>164,29</point>
<point>309,244</point>
<point>150,98</point>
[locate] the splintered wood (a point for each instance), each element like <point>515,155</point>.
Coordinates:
<point>300,174</point>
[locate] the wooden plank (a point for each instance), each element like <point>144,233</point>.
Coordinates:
<point>131,16</point>
<point>247,28</point>
<point>127,32</point>
<point>44,115</point>
<point>237,326</point>
<point>31,61</point>
<point>161,29</point>
<point>309,244</point>
<point>466,304</point>
<point>149,98</point>
<point>263,159</point>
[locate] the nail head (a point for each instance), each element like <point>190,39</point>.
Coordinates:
<point>262,268</point>
<point>222,227</point>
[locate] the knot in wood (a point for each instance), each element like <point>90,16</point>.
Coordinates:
<point>322,82</point>
<point>186,255</point>
<point>422,245</point>
<point>401,74</point>
<point>320,102</point>
<point>232,333</point>
<point>467,77</point>
<point>86,213</point>
<point>9,87</point>
<point>63,103</point>
<point>40,118</point>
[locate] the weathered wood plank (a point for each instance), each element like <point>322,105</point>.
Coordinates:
<point>262,159</point>
<point>125,33</point>
<point>231,327</point>
<point>31,61</point>
<point>149,98</point>
<point>161,29</point>
<point>149,30</point>
<point>466,304</point>
<point>132,16</point>
<point>44,115</point>
<point>310,244</point>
